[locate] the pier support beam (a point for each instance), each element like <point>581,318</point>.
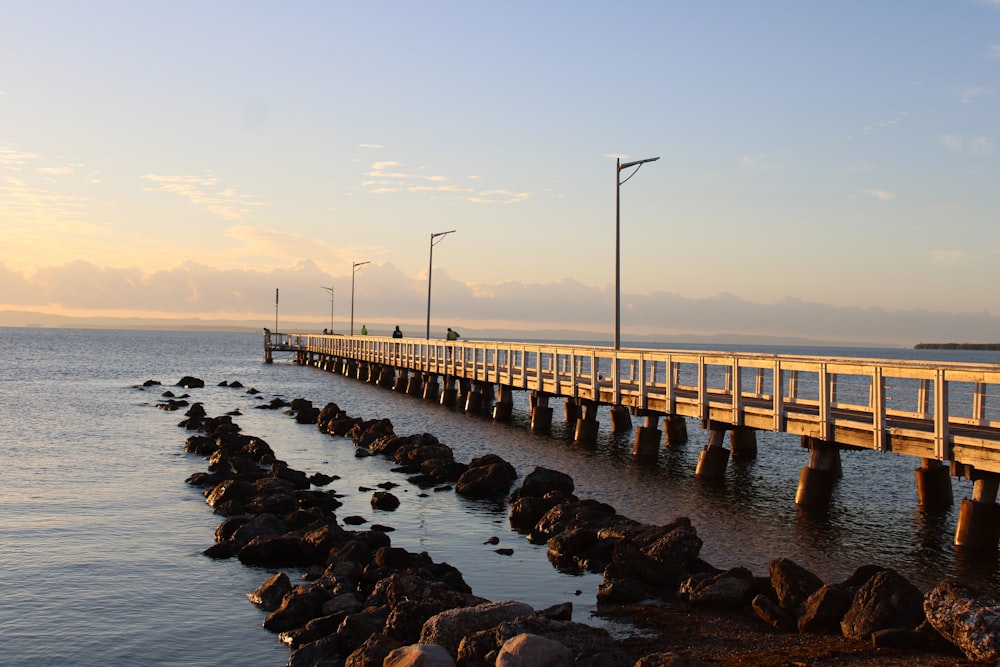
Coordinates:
<point>541,412</point>
<point>449,395</point>
<point>714,457</point>
<point>677,431</point>
<point>621,419</point>
<point>816,480</point>
<point>402,380</point>
<point>415,385</point>
<point>979,516</point>
<point>587,425</point>
<point>431,387</point>
<point>743,442</point>
<point>934,484</point>
<point>386,377</point>
<point>647,438</point>
<point>572,410</point>
<point>474,398</point>
<point>504,407</point>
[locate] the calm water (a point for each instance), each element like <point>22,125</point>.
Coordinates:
<point>100,560</point>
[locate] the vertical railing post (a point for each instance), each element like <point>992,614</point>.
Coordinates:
<point>824,403</point>
<point>878,408</point>
<point>941,434</point>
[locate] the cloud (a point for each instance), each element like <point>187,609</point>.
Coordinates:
<point>384,178</point>
<point>225,203</point>
<point>947,257</point>
<point>370,146</point>
<point>878,195</point>
<point>13,159</point>
<point>967,94</point>
<point>384,297</point>
<point>957,143</point>
<point>500,197</point>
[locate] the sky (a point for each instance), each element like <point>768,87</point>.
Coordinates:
<point>825,169</point>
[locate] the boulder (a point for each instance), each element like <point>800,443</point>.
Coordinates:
<point>792,583</point>
<point>448,627</point>
<point>967,617</point>
<point>823,610</point>
<point>373,652</point>
<point>887,600</point>
<point>419,655</point>
<point>268,595</point>
<point>189,382</point>
<point>383,500</point>
<point>486,481</point>
<point>730,589</point>
<point>772,614</point>
<point>528,650</point>
<point>542,481</point>
<point>591,646</point>
<point>297,608</point>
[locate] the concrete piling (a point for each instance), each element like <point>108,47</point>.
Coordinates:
<point>979,517</point>
<point>816,481</point>
<point>621,419</point>
<point>541,412</point>
<point>934,484</point>
<point>714,457</point>
<point>647,438</point>
<point>676,431</point>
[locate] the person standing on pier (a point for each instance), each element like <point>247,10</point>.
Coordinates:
<point>397,333</point>
<point>452,335</point>
<point>364,330</point>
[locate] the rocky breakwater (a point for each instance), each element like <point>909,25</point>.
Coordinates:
<point>363,602</point>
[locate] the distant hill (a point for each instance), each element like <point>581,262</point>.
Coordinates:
<point>957,346</point>
<point>19,318</point>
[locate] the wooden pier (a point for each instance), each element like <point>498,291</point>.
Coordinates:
<point>946,414</point>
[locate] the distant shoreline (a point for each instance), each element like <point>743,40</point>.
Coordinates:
<point>957,346</point>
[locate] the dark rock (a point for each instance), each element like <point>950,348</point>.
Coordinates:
<point>792,583</point>
<point>372,652</point>
<point>277,551</point>
<point>321,479</point>
<point>320,653</point>
<point>220,551</point>
<point>887,600</point>
<point>731,589</point>
<point>383,500</point>
<point>823,610</point>
<point>189,382</point>
<point>542,481</point>
<point>297,608</point>
<point>268,595</point>
<point>772,614</point>
<point>486,480</point>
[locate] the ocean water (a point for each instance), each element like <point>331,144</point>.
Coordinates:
<point>100,557</point>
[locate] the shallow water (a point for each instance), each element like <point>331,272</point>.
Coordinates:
<point>101,559</point>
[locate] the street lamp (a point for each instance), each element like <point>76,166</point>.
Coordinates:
<point>354,270</point>
<point>618,217</point>
<point>330,290</point>
<point>430,267</point>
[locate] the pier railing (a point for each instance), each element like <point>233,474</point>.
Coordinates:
<point>934,410</point>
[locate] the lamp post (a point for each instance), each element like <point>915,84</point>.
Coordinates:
<point>618,216</point>
<point>430,267</point>
<point>330,290</point>
<point>354,270</point>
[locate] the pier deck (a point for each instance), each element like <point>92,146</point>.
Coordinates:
<point>933,410</point>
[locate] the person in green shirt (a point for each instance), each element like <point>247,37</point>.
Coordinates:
<point>364,330</point>
<point>452,335</point>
